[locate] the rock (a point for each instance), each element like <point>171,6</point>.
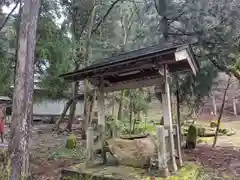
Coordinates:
<point>201,131</point>
<point>135,153</point>
<point>189,122</point>
<point>231,133</point>
<point>223,130</point>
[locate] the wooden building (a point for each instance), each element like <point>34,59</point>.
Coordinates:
<point>152,66</point>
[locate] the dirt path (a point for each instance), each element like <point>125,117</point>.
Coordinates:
<point>225,157</point>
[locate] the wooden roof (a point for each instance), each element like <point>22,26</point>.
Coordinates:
<point>5,101</point>
<point>137,68</point>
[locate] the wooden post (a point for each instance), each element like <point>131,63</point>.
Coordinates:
<point>101,117</point>
<point>114,127</point>
<point>178,145</point>
<point>161,148</point>
<point>234,106</point>
<point>167,116</point>
<point>89,145</point>
<point>214,105</point>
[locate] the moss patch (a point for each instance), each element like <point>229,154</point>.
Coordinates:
<point>63,152</point>
<point>80,172</point>
<point>71,142</point>
<point>4,167</point>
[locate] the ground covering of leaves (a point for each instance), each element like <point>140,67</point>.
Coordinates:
<point>48,155</point>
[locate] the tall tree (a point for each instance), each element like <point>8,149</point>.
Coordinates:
<point>23,93</point>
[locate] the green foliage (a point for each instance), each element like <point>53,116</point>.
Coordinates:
<point>5,66</point>
<point>4,168</point>
<point>140,128</point>
<point>213,124</point>
<point>76,153</point>
<point>71,142</point>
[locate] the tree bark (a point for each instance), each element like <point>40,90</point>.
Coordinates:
<point>73,106</point>
<point>87,93</point>
<point>63,114</point>
<point>23,92</point>
<point>17,39</point>
<point>221,112</point>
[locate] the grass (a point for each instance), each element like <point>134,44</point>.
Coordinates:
<point>63,152</point>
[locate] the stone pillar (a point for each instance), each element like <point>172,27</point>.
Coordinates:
<point>167,116</point>
<point>161,149</point>
<point>89,145</point>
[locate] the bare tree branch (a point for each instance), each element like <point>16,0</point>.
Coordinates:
<point>105,16</point>
<point>9,15</point>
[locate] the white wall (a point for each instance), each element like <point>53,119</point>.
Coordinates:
<point>48,107</point>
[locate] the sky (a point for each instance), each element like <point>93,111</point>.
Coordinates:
<point>8,9</point>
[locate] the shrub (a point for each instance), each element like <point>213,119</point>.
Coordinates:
<point>213,124</point>
<point>71,142</point>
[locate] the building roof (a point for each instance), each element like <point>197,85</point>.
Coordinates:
<point>141,65</point>
<point>5,101</point>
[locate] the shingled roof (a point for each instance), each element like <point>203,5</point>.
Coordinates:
<point>138,65</point>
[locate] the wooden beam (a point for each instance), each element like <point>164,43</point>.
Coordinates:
<point>125,67</point>
<point>178,144</point>
<point>235,106</point>
<point>101,109</point>
<point>214,105</point>
<point>101,117</point>
<point>133,84</point>
<point>183,55</point>
<point>137,75</point>
<point>167,116</point>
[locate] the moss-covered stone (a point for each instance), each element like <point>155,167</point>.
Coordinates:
<point>231,133</point>
<point>201,131</point>
<point>191,137</point>
<point>71,142</point>
<point>223,130</point>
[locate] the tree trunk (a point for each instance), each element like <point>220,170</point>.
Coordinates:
<point>87,108</point>
<point>65,109</point>
<point>73,106</point>
<point>23,92</point>
<point>17,39</point>
<point>221,112</point>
